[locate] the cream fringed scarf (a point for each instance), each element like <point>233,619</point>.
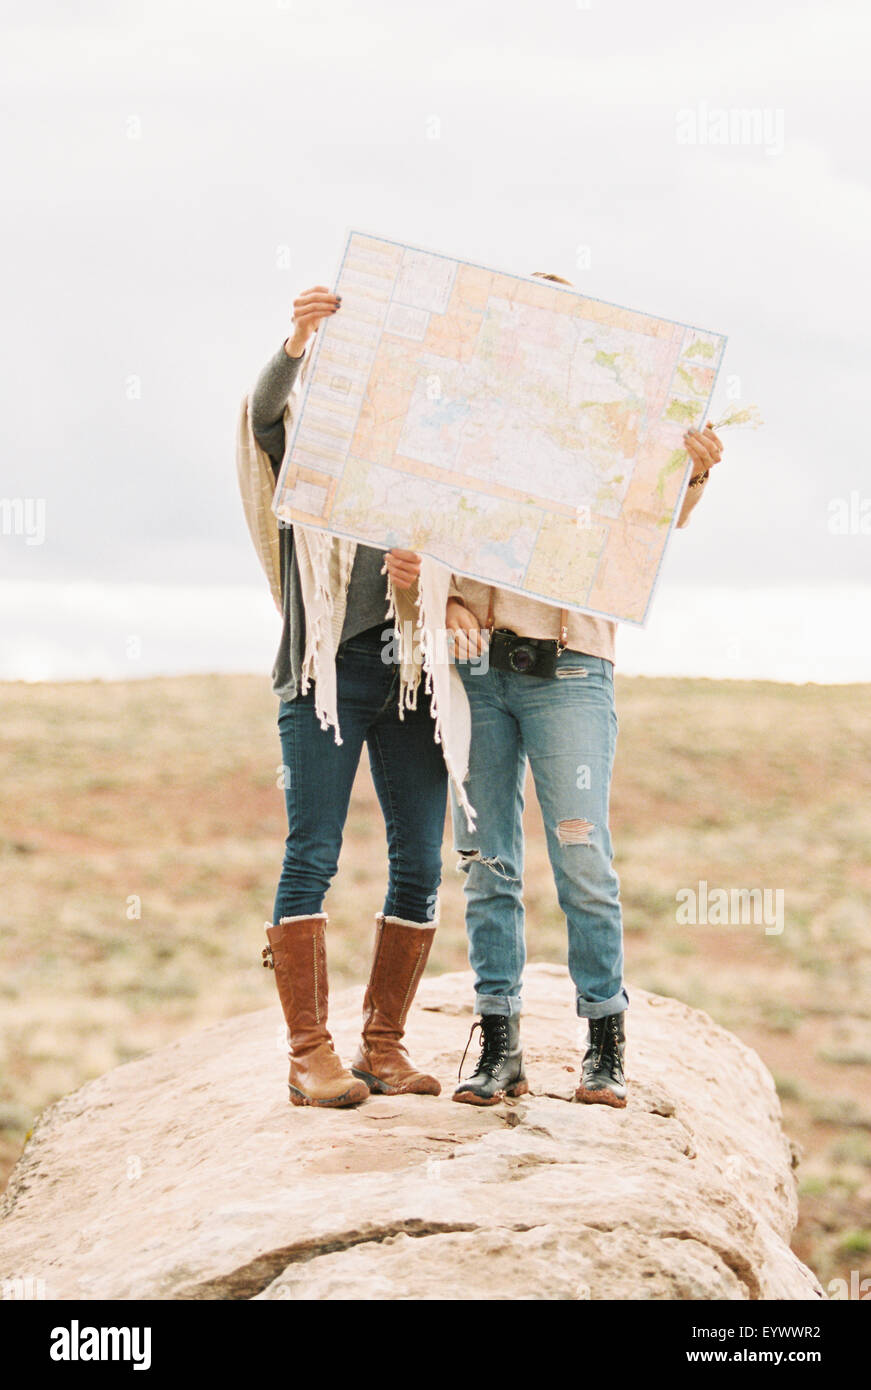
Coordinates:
<point>325,563</point>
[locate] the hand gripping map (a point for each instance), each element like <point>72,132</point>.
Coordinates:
<point>517,430</point>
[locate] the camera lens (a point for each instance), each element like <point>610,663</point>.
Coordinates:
<point>522,659</point>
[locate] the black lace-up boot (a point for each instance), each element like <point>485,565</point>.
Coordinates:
<point>602,1079</point>
<point>499,1070</point>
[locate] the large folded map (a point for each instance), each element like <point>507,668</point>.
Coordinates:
<point>517,430</point>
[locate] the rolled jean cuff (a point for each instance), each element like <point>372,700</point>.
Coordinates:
<point>615,1005</point>
<point>505,1004</point>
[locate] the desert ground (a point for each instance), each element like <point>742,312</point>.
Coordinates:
<point>141,834</point>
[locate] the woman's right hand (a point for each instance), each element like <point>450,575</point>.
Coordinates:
<point>309,309</point>
<point>469,639</point>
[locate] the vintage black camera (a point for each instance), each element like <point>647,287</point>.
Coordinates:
<point>528,656</point>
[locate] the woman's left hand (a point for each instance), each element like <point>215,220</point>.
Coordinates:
<point>403,566</point>
<point>704,448</point>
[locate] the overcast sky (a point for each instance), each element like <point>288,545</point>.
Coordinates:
<point>175,172</point>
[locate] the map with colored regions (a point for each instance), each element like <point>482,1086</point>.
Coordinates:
<point>517,430</point>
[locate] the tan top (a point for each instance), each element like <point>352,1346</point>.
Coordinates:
<point>530,617</point>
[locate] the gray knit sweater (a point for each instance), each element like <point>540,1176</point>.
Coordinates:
<point>367,591</point>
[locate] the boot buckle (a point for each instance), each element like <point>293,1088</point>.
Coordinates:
<point>267,961</point>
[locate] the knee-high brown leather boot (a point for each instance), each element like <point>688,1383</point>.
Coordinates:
<point>401,951</point>
<point>297,953</point>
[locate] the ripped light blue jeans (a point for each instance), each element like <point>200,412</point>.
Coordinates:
<point>566,727</point>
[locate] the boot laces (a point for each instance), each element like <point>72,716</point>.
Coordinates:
<point>494,1045</point>
<point>606,1047</point>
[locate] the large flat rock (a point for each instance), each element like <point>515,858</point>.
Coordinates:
<point>187,1175</point>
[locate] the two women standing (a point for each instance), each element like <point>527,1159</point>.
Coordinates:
<point>334,671</point>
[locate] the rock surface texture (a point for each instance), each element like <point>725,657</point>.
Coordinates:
<point>187,1175</point>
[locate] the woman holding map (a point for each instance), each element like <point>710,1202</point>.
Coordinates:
<point>546,693</point>
<point>330,670</point>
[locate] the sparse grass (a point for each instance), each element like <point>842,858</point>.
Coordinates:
<point>787,1087</point>
<point>846,1057</point>
<point>742,785</point>
<point>812,1186</point>
<point>855,1243</point>
<point>840,1111</point>
<point>854,1150</point>
<point>780,1018</point>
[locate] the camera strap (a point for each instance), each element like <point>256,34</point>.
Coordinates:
<point>561,641</point>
